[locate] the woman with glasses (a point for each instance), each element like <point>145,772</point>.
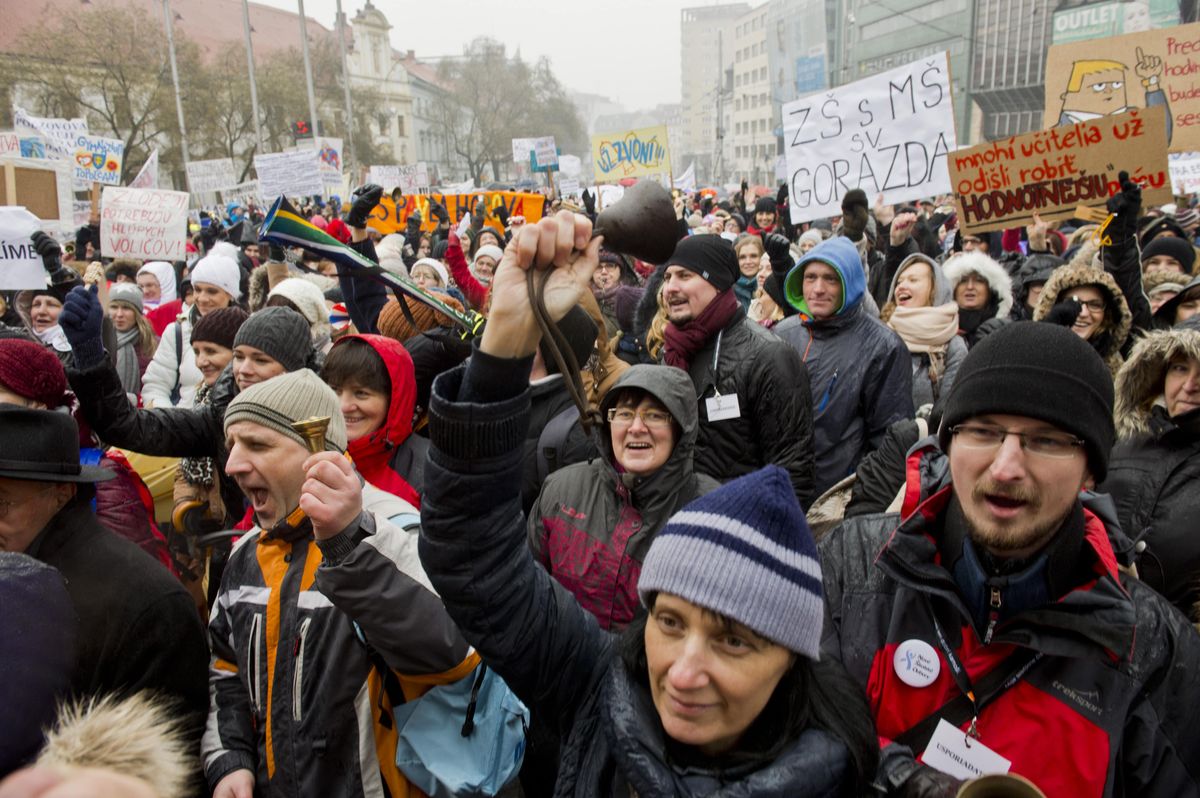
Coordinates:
<point>593,522</point>
<point>1088,300</point>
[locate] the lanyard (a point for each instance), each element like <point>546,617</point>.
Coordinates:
<point>716,356</point>
<point>964,681</point>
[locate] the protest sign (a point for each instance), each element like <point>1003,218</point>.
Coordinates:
<point>33,147</point>
<point>143,223</point>
<point>10,144</point>
<point>570,165</point>
<point>1137,70</point>
<point>59,135</point>
<point>888,133</point>
<point>20,266</point>
<point>545,152</point>
<point>147,177</point>
<point>81,212</point>
<point>98,160</point>
<point>329,156</point>
<point>409,178</point>
<point>213,175</point>
<point>1185,172</point>
<point>247,191</point>
<point>387,218</point>
<point>1051,172</point>
<point>41,186</point>
<point>630,153</point>
<point>521,149</point>
<point>295,173</point>
<point>687,180</point>
<point>568,186</point>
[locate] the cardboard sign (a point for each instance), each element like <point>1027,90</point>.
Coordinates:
<point>889,133</point>
<point>59,135</point>
<point>1003,183</point>
<point>630,153</point>
<point>143,223</point>
<point>387,218</point>
<point>98,160</point>
<point>293,173</point>
<point>20,266</point>
<point>409,178</point>
<point>1104,77</point>
<point>1185,172</point>
<point>213,175</point>
<point>41,186</point>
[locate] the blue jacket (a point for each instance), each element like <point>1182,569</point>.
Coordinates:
<point>859,370</point>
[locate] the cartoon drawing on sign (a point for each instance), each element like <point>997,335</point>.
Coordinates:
<point>329,155</point>
<point>1098,87</point>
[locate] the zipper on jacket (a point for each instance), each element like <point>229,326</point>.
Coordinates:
<point>254,659</point>
<point>993,614</point>
<point>298,669</point>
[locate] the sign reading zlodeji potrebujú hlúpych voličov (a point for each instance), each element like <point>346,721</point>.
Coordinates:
<point>1002,184</point>
<point>889,133</point>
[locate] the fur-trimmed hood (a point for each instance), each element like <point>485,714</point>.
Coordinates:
<point>998,279</point>
<point>1077,273</point>
<point>259,287</point>
<point>1140,381</point>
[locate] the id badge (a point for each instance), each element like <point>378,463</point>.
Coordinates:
<point>722,407</point>
<point>951,751</point>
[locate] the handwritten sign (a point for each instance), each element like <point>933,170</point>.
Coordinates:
<point>545,152</point>
<point>387,218</point>
<point>631,153</point>
<point>1185,172</point>
<point>59,135</point>
<point>409,178</point>
<point>521,149</point>
<point>98,160</point>
<point>1051,172</point>
<point>143,223</point>
<point>568,186</point>
<point>294,173</point>
<point>1105,77</point>
<point>20,265</point>
<point>10,144</point>
<point>889,133</point>
<point>212,175</point>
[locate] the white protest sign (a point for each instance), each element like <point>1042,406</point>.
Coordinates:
<point>148,176</point>
<point>521,149</point>
<point>216,174</point>
<point>568,186</point>
<point>545,152</point>
<point>329,154</point>
<point>888,133</point>
<point>293,173</point>
<point>409,178</point>
<point>10,144</point>
<point>81,211</point>
<point>466,187</point>
<point>570,166</point>
<point>20,265</point>
<point>1185,171</point>
<point>143,223</point>
<point>59,134</point>
<point>247,190</point>
<point>98,160</point>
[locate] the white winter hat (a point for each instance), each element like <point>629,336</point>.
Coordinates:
<point>309,299</point>
<point>493,252</point>
<point>221,271</point>
<point>437,266</point>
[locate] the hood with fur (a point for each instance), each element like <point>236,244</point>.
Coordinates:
<point>998,280</point>
<point>1077,273</point>
<point>1140,381</point>
<point>943,292</point>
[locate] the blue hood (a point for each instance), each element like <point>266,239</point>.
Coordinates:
<point>842,255</point>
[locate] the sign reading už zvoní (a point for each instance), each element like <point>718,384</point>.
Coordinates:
<point>641,152</point>
<point>889,133</point>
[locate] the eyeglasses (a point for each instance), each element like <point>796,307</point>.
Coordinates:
<point>653,419</point>
<point>1042,444</point>
<point>7,504</point>
<point>1094,305</point>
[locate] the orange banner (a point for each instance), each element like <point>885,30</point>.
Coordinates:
<point>387,218</point>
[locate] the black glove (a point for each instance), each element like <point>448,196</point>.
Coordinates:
<point>210,235</point>
<point>81,320</point>
<point>925,782</point>
<point>854,214</point>
<point>276,253</point>
<point>589,203</point>
<point>502,215</point>
<point>780,252</point>
<point>782,195</point>
<point>51,254</point>
<point>365,200</point>
<point>439,212</point>
<point>1127,206</point>
<point>1064,313</point>
<point>412,227</point>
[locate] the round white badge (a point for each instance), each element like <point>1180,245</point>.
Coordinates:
<point>916,663</point>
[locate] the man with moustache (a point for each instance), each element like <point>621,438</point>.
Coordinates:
<point>989,623</point>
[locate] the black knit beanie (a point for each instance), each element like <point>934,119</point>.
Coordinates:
<point>710,256</point>
<point>1175,248</point>
<point>281,333</point>
<point>1041,371</point>
<point>765,205</point>
<point>580,331</point>
<point>219,326</point>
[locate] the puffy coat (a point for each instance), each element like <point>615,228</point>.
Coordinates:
<point>774,423</point>
<point>548,649</point>
<point>1155,469</point>
<point>294,697</point>
<point>976,324</point>
<point>592,525</point>
<point>1107,710</point>
<point>925,389</point>
<point>1110,339</point>
<point>859,370</point>
<point>169,364</point>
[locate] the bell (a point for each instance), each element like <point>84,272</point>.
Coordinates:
<point>997,785</point>
<point>642,223</point>
<point>313,432</point>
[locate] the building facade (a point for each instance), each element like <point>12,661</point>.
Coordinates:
<point>706,38</point>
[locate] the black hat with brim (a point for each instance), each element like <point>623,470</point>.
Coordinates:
<point>43,446</point>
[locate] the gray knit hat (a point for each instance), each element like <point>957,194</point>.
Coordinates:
<point>126,293</point>
<point>279,402</point>
<point>744,551</point>
<point>281,333</point>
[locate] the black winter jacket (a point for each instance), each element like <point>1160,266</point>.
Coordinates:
<point>547,648</point>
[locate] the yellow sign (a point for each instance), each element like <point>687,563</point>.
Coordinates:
<point>630,153</point>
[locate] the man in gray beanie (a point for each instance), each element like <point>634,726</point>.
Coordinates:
<point>329,558</point>
<point>994,604</point>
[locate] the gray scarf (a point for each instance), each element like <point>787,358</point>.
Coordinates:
<point>128,368</point>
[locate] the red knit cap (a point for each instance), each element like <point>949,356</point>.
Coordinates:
<point>30,370</point>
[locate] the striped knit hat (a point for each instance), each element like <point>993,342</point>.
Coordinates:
<point>280,401</point>
<point>746,552</point>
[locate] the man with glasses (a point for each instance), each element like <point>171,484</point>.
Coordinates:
<point>990,623</point>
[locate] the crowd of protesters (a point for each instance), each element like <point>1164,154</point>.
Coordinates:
<point>822,506</point>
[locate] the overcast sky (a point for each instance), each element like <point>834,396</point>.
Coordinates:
<point>627,50</point>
